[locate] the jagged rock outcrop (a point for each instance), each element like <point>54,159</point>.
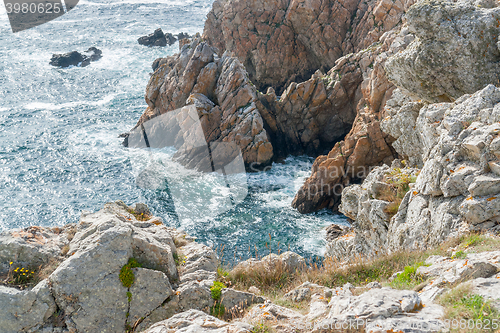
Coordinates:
<point>281,42</point>
<point>455,51</point>
<point>369,207</point>
<point>220,91</point>
<point>157,38</point>
<point>76,58</point>
<point>456,189</point>
<point>365,145</point>
<point>86,291</point>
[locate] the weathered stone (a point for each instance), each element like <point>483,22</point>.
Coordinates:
<point>22,310</point>
<point>280,42</point>
<point>149,291</point>
<point>199,322</point>
<point>455,51</point>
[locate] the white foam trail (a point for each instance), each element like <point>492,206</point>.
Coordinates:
<point>52,106</point>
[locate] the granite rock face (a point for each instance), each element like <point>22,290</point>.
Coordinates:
<point>456,190</point>
<point>365,146</point>
<point>222,94</point>
<point>86,293</point>
<point>455,51</point>
<point>281,42</point>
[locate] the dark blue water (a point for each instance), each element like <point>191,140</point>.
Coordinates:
<point>59,146</point>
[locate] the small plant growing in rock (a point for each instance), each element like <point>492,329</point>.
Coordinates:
<point>179,260</point>
<point>262,328</point>
<point>400,180</point>
<point>409,278</point>
<point>459,255</point>
<point>218,309</point>
<point>20,276</point>
<point>127,276</point>
<point>216,290</point>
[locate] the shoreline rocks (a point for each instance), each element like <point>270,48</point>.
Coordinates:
<point>157,38</point>
<point>76,58</point>
<point>87,292</point>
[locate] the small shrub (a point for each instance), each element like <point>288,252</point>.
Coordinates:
<point>409,278</point>
<point>400,180</point>
<point>22,276</point>
<point>141,216</point>
<point>127,276</point>
<point>262,328</point>
<point>216,290</point>
<point>459,255</point>
<point>129,296</point>
<point>179,260</point>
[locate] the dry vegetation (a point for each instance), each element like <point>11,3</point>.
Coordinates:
<point>399,181</point>
<point>275,281</point>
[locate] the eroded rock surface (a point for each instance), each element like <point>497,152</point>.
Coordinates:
<point>455,51</point>
<point>280,42</point>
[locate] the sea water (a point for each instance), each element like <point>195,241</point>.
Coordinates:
<point>59,147</point>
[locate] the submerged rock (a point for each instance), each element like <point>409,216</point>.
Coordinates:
<point>76,58</point>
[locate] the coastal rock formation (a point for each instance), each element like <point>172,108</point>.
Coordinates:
<point>365,145</point>
<point>157,38</point>
<point>76,58</point>
<point>455,52</point>
<point>220,91</point>
<point>456,189</point>
<point>280,42</point>
<point>94,286</point>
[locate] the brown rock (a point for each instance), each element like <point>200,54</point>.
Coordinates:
<point>284,41</point>
<point>365,146</point>
<point>225,101</point>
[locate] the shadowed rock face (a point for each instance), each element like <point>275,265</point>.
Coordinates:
<point>365,145</point>
<point>285,41</point>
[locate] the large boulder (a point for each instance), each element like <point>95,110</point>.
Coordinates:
<point>455,51</point>
<point>223,96</point>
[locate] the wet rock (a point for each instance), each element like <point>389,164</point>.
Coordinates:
<point>76,58</point>
<point>157,38</point>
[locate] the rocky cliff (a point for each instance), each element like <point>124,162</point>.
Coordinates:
<point>121,270</point>
<point>281,50</point>
<point>451,143</point>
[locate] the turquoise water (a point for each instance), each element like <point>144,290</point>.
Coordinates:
<point>59,146</point>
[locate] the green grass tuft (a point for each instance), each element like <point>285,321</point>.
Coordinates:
<point>127,276</point>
